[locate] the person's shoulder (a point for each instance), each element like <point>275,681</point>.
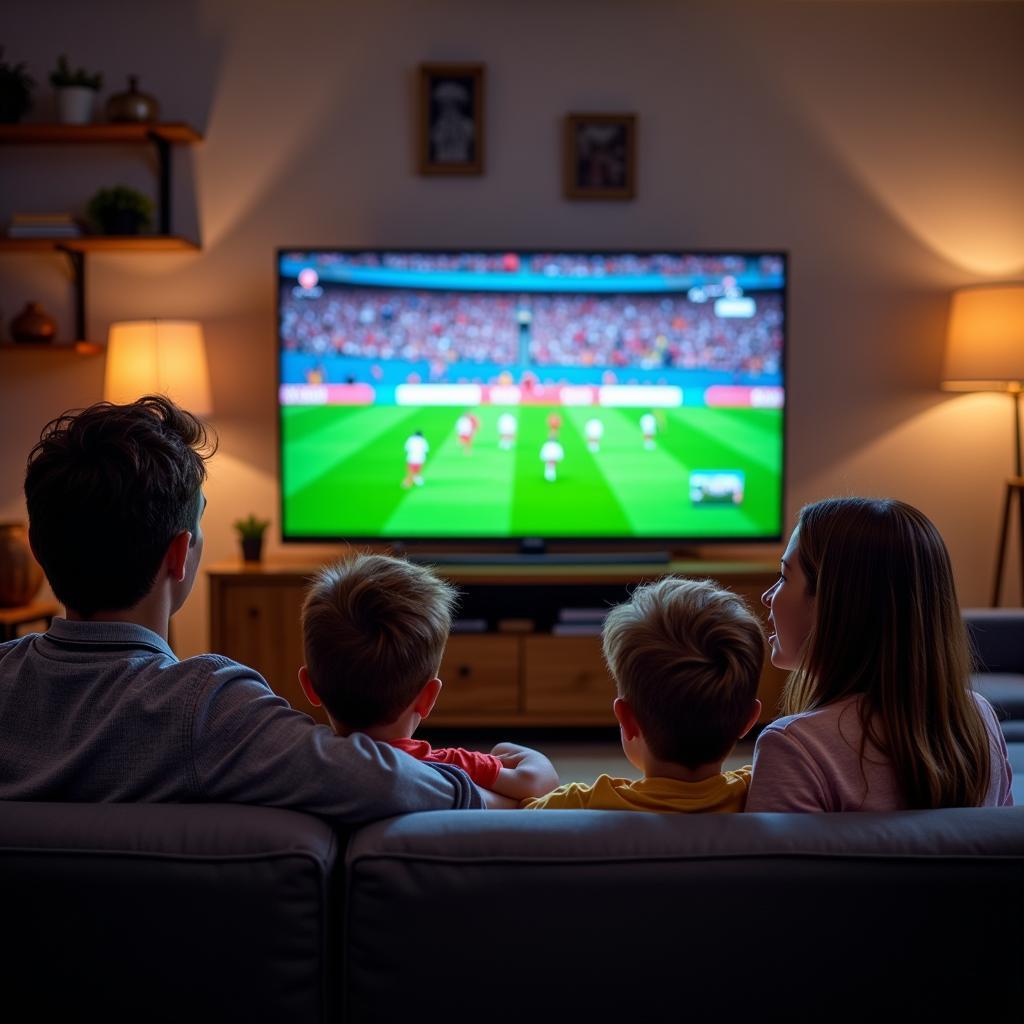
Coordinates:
<point>10,646</point>
<point>811,721</point>
<point>216,672</point>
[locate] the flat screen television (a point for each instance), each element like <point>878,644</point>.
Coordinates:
<point>472,395</point>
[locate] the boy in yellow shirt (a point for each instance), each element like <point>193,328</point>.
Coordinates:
<point>686,657</point>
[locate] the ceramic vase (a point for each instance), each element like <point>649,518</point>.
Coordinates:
<point>20,575</point>
<point>132,105</point>
<point>33,325</point>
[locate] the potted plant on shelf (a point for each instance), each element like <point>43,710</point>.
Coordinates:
<point>250,532</point>
<point>16,86</point>
<point>76,92</point>
<point>120,211</point>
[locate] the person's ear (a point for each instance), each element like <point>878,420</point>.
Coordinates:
<point>626,718</point>
<point>177,555</point>
<point>307,687</point>
<point>751,722</point>
<point>427,697</point>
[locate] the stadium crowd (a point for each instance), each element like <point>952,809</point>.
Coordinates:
<point>653,331</point>
<point>617,331</point>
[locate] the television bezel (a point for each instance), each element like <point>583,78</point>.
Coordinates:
<point>622,541</point>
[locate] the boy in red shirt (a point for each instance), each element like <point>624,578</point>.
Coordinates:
<point>374,630</point>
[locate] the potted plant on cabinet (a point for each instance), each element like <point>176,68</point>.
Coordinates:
<point>120,211</point>
<point>16,86</point>
<point>76,92</point>
<point>250,532</point>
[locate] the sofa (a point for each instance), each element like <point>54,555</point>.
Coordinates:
<point>192,913</point>
<point>229,913</point>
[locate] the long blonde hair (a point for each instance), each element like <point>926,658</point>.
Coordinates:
<point>887,627</point>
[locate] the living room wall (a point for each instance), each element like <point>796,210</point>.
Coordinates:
<point>880,143</point>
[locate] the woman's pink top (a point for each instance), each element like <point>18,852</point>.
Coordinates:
<point>811,762</point>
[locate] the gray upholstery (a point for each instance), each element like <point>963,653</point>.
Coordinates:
<point>224,913</point>
<point>608,916</point>
<point>997,635</point>
<point>165,912</point>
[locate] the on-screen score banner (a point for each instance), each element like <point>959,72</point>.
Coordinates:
<point>609,396</point>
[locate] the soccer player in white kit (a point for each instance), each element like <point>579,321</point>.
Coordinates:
<point>507,427</point>
<point>416,449</point>
<point>551,454</point>
<point>594,431</point>
<point>648,427</point>
<point>465,427</point>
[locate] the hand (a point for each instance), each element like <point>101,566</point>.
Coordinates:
<point>511,755</point>
<point>496,802</point>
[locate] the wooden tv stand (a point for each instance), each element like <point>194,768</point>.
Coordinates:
<point>492,678</point>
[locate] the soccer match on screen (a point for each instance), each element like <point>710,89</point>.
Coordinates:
<point>531,394</point>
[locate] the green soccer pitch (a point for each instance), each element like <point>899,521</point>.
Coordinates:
<point>343,468</point>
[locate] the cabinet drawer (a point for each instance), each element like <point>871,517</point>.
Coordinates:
<point>480,675</point>
<point>260,627</point>
<point>567,675</point>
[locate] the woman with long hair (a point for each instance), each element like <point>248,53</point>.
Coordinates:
<point>878,713</point>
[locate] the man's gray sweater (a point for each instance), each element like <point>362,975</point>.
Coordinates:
<point>104,711</point>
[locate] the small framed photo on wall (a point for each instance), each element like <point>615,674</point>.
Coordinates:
<point>451,136</point>
<point>600,156</point>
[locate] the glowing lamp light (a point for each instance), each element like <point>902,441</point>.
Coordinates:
<point>985,340</point>
<point>165,357</point>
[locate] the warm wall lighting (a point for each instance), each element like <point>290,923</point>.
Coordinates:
<point>985,352</point>
<point>165,357</point>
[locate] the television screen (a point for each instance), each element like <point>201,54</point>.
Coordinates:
<point>528,394</point>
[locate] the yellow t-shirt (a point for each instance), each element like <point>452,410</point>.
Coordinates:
<point>723,793</point>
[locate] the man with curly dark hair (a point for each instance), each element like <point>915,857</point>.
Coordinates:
<point>98,708</point>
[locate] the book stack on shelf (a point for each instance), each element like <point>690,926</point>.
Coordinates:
<point>43,225</point>
<point>579,622</point>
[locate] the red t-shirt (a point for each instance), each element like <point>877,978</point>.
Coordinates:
<point>481,768</point>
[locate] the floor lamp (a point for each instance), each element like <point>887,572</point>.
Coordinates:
<point>985,352</point>
<point>158,357</point>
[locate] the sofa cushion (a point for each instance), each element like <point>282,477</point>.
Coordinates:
<point>163,912</point>
<point>611,916</point>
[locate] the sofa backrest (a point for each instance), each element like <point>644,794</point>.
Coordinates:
<point>164,912</point>
<point>997,635</point>
<point>616,916</point>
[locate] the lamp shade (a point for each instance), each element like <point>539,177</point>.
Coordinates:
<point>167,357</point>
<point>985,339</point>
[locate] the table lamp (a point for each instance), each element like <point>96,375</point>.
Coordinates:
<point>985,352</point>
<point>165,357</point>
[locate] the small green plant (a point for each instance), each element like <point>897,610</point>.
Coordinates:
<point>16,86</point>
<point>62,77</point>
<point>120,211</point>
<point>251,528</point>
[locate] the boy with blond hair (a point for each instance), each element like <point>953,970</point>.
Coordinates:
<point>686,658</point>
<point>374,631</point>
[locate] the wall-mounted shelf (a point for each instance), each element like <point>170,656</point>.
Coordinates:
<point>99,243</point>
<point>162,137</point>
<point>97,133</point>
<point>76,348</point>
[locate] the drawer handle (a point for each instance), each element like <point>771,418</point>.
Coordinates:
<point>464,671</point>
<point>254,613</point>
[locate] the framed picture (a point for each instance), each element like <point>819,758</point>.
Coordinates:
<point>600,156</point>
<point>451,138</point>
